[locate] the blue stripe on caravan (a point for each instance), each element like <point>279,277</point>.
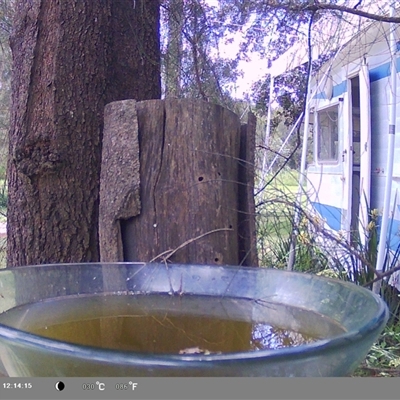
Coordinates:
<point>375,74</point>
<point>337,91</point>
<point>340,89</point>
<point>332,215</point>
<point>394,235</point>
<point>394,238</point>
<point>320,95</point>
<point>383,71</point>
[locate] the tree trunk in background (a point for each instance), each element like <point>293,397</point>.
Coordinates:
<point>69,59</point>
<point>173,57</point>
<point>134,51</point>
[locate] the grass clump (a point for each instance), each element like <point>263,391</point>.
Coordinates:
<point>321,251</point>
<point>384,357</point>
<point>276,208</point>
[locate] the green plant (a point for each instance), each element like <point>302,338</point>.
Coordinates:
<point>321,251</point>
<point>276,228</point>
<point>384,357</point>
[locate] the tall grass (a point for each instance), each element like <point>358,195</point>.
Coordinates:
<point>276,208</point>
<point>321,251</point>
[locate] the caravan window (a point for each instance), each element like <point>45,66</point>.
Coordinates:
<point>327,134</point>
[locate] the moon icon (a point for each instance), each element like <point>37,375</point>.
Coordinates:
<point>60,386</point>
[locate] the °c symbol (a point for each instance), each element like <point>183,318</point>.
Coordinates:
<point>60,386</point>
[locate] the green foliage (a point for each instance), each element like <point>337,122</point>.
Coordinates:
<point>275,215</point>
<point>192,64</point>
<point>6,16</point>
<point>384,357</point>
<point>321,252</point>
<point>275,227</point>
<point>290,89</point>
<point>3,199</point>
<point>192,34</point>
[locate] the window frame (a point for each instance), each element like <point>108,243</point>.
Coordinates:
<point>332,161</point>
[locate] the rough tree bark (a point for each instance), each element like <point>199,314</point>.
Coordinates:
<point>120,176</point>
<point>70,58</point>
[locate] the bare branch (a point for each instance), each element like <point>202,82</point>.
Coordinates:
<point>335,7</point>
<point>317,6</point>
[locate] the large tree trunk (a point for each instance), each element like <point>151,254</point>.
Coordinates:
<point>69,59</point>
<point>134,51</point>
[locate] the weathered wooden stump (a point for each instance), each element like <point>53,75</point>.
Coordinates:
<point>246,204</point>
<point>196,184</point>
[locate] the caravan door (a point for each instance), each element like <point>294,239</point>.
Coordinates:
<point>365,150</point>
<point>339,179</point>
<point>357,169</point>
<point>348,157</point>
<point>357,156</point>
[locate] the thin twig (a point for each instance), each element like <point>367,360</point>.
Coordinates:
<point>395,371</point>
<point>381,275</point>
<point>184,244</point>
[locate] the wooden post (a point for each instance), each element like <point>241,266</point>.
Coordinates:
<point>190,205</point>
<point>246,205</point>
<point>188,174</point>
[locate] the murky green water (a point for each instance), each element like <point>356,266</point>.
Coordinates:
<point>170,324</point>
